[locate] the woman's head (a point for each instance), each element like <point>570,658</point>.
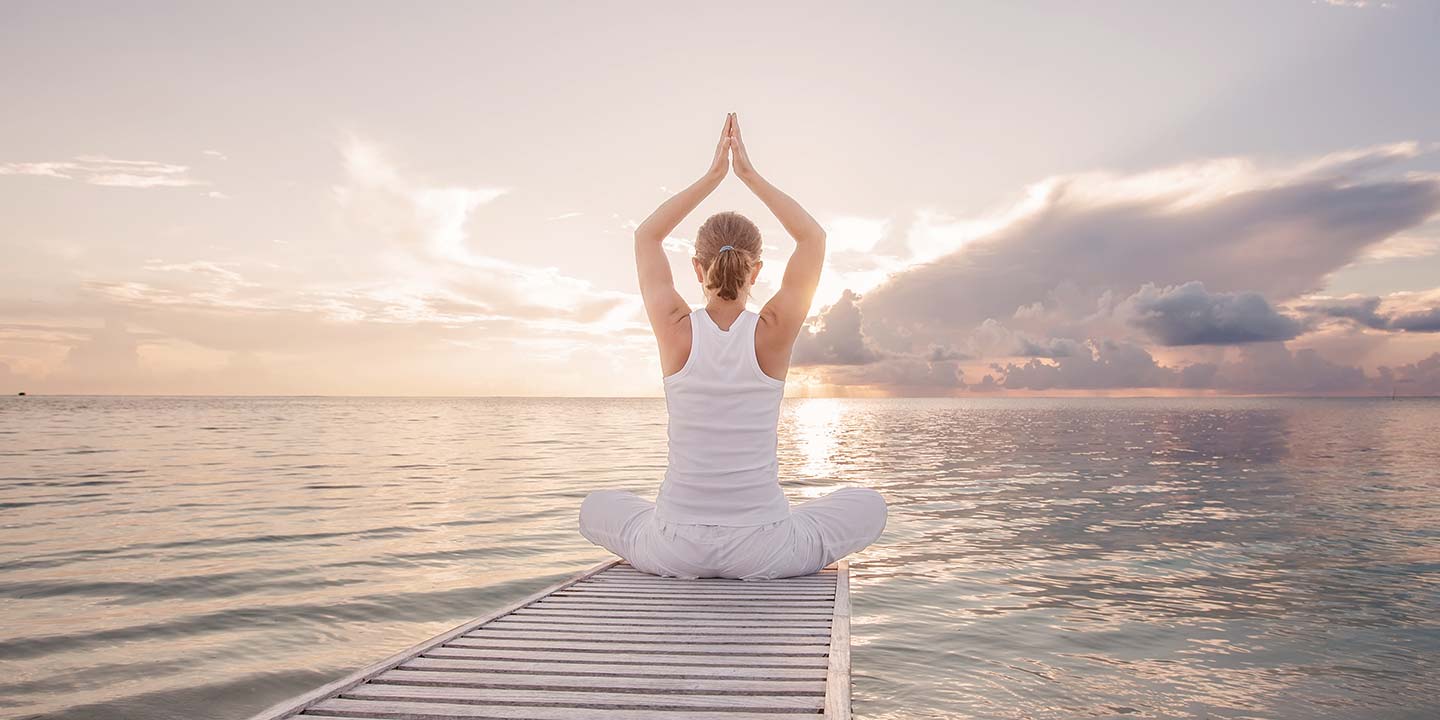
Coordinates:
<point>727,255</point>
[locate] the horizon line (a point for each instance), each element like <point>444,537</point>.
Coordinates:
<point>998,396</point>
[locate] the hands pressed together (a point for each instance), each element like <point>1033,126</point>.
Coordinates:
<point>731,151</point>
<point>730,154</point>
<point>788,308</point>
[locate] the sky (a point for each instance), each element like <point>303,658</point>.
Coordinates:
<point>1022,198</point>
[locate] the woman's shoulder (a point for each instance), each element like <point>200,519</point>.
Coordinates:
<point>675,343</point>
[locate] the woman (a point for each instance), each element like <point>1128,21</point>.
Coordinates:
<point>720,511</point>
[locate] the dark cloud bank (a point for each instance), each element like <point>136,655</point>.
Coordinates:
<point>1087,290</point>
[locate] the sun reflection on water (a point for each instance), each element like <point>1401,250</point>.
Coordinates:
<point>810,430</point>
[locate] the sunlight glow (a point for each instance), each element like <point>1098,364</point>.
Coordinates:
<point>816,423</point>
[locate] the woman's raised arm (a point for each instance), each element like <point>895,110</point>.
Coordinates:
<point>787,310</point>
<point>663,305</point>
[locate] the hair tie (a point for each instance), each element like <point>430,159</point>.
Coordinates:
<point>723,248</point>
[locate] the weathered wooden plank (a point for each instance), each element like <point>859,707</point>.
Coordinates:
<point>620,575</point>
<point>721,582</point>
<point>631,594</point>
<point>628,658</point>
<point>679,594</point>
<point>602,668</point>
<point>623,566</point>
<point>557,619</point>
<point>794,606</point>
<point>658,614</point>
<point>583,699</point>
<point>296,704</point>
<point>391,710</point>
<point>805,581</point>
<point>712,585</point>
<point>671,648</point>
<point>590,592</point>
<point>682,636</point>
<point>600,605</point>
<point>672,629</point>
<point>629,590</point>
<point>837,675</point>
<point>599,683</point>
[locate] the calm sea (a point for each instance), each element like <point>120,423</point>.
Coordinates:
<point>1237,558</point>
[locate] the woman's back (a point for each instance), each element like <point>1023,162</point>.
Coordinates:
<point>723,413</point>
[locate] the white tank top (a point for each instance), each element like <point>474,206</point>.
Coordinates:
<point>723,415</point>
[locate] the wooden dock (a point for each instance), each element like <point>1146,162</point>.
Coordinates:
<point>614,643</point>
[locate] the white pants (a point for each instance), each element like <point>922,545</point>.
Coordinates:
<point>816,534</point>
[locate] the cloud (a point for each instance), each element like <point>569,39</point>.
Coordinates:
<point>1417,312</point>
<point>103,360</point>
<point>429,268</point>
<point>1182,279</point>
<point>1358,4</point>
<point>1404,247</point>
<point>404,281</point>
<point>1190,315</point>
<point>1272,368</point>
<point>8,379</point>
<point>854,234</point>
<point>834,338</point>
<point>1414,312</point>
<point>834,343</point>
<point>1421,321</point>
<point>1103,365</point>
<point>109,172</point>
<point>1047,347</point>
<point>1226,224</point>
<point>925,374</point>
<point>838,350</point>
<point>993,339</point>
<point>411,214</point>
<point>1418,378</point>
<point>678,245</point>
<point>1071,286</point>
<point>1363,310</point>
<point>1260,368</point>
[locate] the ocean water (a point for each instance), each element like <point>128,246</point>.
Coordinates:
<point>1218,558</point>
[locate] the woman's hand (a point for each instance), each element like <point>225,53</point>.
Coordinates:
<point>666,217</point>
<point>721,164</point>
<point>743,169</point>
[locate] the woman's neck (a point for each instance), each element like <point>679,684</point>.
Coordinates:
<point>724,312</point>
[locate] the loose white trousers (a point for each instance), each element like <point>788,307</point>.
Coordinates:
<point>817,533</point>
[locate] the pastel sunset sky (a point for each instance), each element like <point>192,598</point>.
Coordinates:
<point>438,198</point>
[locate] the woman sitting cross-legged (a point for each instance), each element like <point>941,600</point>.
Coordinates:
<point>720,511</point>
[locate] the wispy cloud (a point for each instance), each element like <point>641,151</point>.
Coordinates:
<point>416,262</point>
<point>1409,312</point>
<point>424,216</point>
<point>108,172</point>
<point>1403,246</point>
<point>408,277</point>
<point>1355,3</point>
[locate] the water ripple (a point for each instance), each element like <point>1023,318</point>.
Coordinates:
<point>201,557</point>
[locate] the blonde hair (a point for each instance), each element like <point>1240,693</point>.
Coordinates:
<point>727,273</point>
